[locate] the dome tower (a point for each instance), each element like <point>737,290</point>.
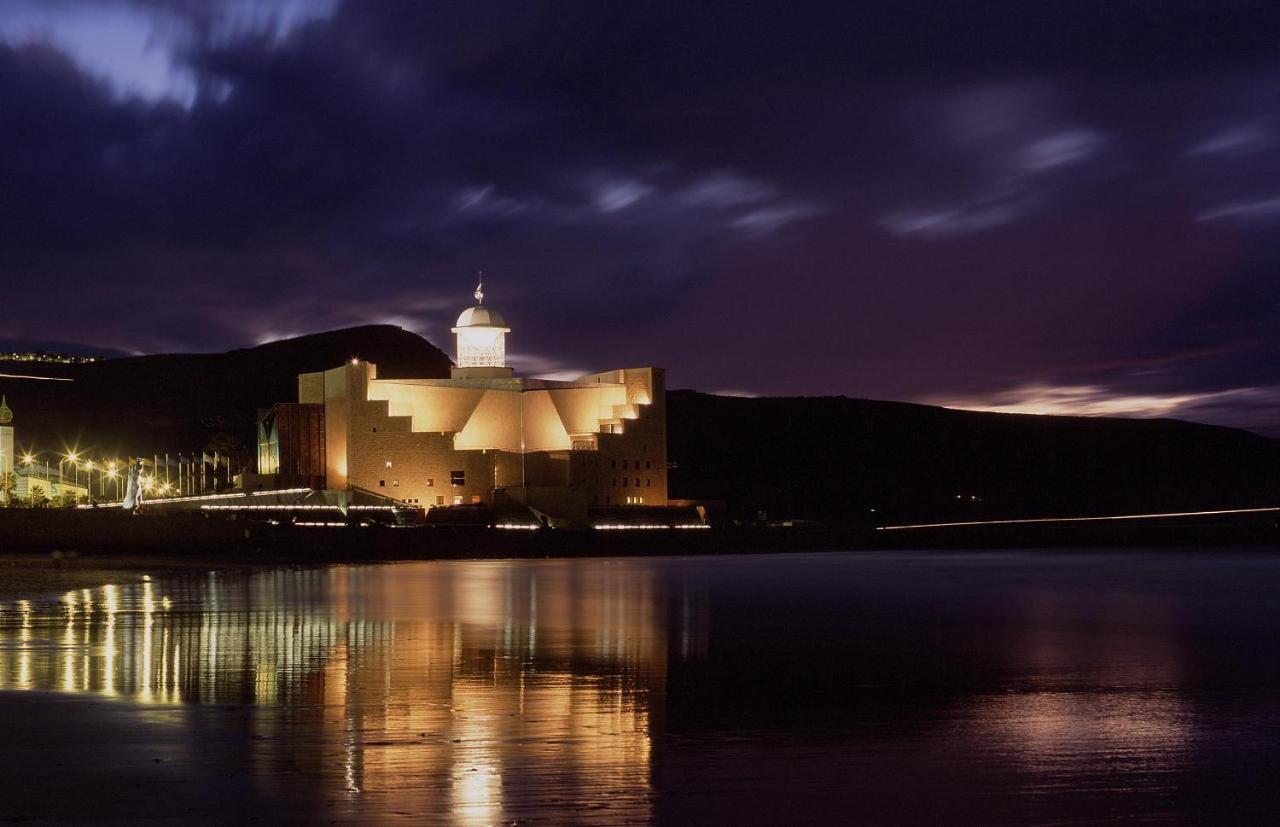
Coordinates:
<point>481,335</point>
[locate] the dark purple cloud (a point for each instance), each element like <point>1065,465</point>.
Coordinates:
<point>1035,206</point>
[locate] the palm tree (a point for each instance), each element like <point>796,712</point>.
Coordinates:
<point>66,499</point>
<point>38,498</point>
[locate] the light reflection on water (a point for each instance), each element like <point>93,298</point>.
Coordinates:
<point>766,688</point>
<point>434,677</point>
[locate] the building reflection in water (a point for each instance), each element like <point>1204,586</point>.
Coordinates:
<point>475,686</point>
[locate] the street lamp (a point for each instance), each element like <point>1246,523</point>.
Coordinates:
<point>88,467</point>
<point>113,473</point>
<point>73,458</point>
<point>29,459</point>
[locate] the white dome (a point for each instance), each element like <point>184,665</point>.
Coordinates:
<point>481,316</point>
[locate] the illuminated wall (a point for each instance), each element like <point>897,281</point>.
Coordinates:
<point>452,441</point>
<point>6,449</point>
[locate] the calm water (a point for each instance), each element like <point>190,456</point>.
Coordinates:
<point>1054,687</point>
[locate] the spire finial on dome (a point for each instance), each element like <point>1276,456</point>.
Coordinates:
<point>479,294</point>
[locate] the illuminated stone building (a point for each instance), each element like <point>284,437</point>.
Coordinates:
<point>485,436</point>
<point>31,477</point>
<point>6,442</point>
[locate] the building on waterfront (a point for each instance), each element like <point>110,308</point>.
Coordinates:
<point>30,475</point>
<point>41,478</point>
<point>6,442</point>
<point>481,436</point>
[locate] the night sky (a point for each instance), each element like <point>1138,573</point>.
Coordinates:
<point>1025,205</point>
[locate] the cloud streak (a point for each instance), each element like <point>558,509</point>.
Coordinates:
<point>785,198</point>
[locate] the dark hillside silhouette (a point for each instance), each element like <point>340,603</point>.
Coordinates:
<point>837,458</point>
<point>186,402</point>
<point>825,458</point>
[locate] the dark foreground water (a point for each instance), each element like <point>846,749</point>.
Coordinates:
<point>945,687</point>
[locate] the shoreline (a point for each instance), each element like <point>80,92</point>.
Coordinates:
<point>47,552</point>
<point>114,531</point>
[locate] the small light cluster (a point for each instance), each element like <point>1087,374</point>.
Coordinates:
<point>633,527</point>
<point>292,507</point>
<point>51,358</point>
<point>519,526</point>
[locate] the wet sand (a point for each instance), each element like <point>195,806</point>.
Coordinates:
<point>72,758</point>
<point>77,759</point>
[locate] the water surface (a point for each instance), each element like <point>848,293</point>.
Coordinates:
<point>1049,686</point>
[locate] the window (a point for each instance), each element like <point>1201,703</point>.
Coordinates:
<point>375,430</point>
<point>457,499</point>
<point>382,483</point>
<point>431,482</point>
<point>624,465</point>
<point>637,482</point>
<point>440,499</point>
<point>648,483</point>
<point>646,465</point>
<point>457,477</point>
<point>624,482</point>
<point>475,499</point>
<point>615,482</point>
<point>395,483</point>
<point>387,463</point>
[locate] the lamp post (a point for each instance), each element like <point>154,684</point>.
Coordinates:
<point>73,458</point>
<point>28,459</point>
<point>113,473</point>
<point>88,468</point>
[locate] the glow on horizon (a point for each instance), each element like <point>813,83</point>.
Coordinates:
<point>1079,400</point>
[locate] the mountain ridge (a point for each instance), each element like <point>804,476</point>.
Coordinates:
<point>834,458</point>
